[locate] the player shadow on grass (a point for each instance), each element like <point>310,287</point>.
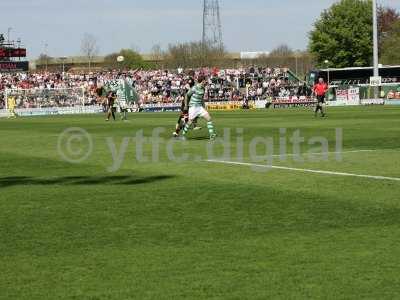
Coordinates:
<point>81,180</point>
<point>199,138</point>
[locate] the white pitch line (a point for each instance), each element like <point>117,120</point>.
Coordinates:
<point>305,170</point>
<point>323,153</point>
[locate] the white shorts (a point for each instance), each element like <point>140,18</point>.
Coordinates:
<point>197,111</point>
<point>123,105</point>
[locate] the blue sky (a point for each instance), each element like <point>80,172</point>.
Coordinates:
<point>252,25</point>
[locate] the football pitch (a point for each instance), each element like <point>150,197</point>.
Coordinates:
<point>90,218</point>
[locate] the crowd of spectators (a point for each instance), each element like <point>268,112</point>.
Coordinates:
<point>154,86</point>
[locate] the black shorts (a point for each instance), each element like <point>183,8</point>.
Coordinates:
<point>321,99</point>
<point>183,117</point>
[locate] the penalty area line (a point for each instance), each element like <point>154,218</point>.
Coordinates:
<point>305,170</point>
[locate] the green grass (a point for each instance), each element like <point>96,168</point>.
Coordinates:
<point>199,230</point>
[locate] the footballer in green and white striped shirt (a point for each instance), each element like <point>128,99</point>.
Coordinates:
<point>195,102</point>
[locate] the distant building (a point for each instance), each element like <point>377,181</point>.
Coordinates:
<point>253,55</point>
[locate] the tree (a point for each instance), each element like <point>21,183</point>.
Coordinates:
<point>132,60</point>
<point>391,46</point>
<point>343,34</point>
<point>157,54</point>
<point>281,51</point>
<point>135,48</point>
<point>387,17</point>
<point>43,59</point>
<point>193,55</point>
<point>89,47</point>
